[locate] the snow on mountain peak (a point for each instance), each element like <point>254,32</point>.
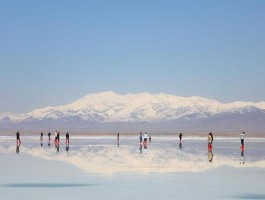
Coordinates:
<point>109,106</point>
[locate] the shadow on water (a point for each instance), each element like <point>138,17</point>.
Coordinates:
<point>45,185</point>
<point>251,196</point>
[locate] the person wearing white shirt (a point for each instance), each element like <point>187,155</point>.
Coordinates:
<point>145,142</point>
<point>145,137</point>
<point>242,138</point>
<point>55,136</point>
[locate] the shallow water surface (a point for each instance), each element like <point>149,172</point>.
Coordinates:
<point>99,168</point>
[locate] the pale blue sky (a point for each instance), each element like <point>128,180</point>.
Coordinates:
<point>54,52</point>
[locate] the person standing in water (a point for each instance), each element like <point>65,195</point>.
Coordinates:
<point>67,136</point>
<point>180,140</point>
<point>41,136</point>
<point>145,137</point>
<point>49,136</point>
<point>118,139</point>
<point>242,138</point>
<point>58,137</point>
<point>141,138</point>
<point>210,141</point>
<point>145,142</point>
<point>180,137</point>
<point>18,138</point>
<point>55,136</point>
<point>211,136</point>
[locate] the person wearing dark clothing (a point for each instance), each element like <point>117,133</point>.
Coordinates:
<point>67,138</point>
<point>49,135</point>
<point>118,139</point>
<point>141,137</point>
<point>180,137</point>
<point>18,137</point>
<point>211,136</point>
<point>58,137</point>
<point>242,138</point>
<point>41,136</point>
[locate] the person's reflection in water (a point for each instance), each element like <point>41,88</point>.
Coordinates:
<point>41,143</point>
<point>67,148</point>
<point>150,139</point>
<point>140,149</point>
<point>145,147</point>
<point>180,145</point>
<point>210,155</point>
<point>118,139</point>
<point>17,148</point>
<point>57,146</point>
<point>49,144</point>
<point>242,157</point>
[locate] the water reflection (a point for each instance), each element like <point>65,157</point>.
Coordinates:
<point>145,147</point>
<point>140,137</point>
<point>180,145</point>
<point>17,148</point>
<point>57,147</point>
<point>242,157</point>
<point>118,139</point>
<point>140,149</point>
<point>210,152</point>
<point>210,156</point>
<point>67,148</point>
<point>163,158</point>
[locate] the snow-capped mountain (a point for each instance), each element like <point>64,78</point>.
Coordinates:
<point>110,107</point>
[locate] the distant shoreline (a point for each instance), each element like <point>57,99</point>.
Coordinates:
<point>185,134</point>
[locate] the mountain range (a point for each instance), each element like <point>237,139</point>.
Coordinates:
<point>108,111</point>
